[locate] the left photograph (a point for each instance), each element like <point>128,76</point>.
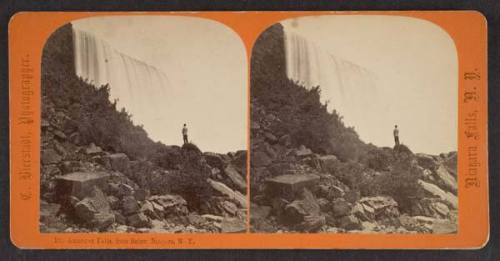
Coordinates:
<point>143,127</point>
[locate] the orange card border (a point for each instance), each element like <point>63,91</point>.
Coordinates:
<point>28,32</point>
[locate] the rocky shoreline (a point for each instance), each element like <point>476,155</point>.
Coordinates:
<point>85,188</point>
<point>296,190</point>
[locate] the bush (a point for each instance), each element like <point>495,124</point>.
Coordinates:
<point>379,159</point>
<point>191,181</point>
<point>401,184</point>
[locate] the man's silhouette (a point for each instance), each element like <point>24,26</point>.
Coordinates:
<point>185,133</point>
<point>396,135</point>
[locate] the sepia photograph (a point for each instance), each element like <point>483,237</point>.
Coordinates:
<point>354,126</point>
<point>143,127</point>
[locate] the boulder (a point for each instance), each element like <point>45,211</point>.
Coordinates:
<point>270,138</point>
<point>335,192</point>
<point>259,212</point>
<point>324,204</point>
<point>125,190</point>
<point>50,156</point>
<point>441,209</point>
<point>141,194</point>
<point>114,202</point>
<point>214,160</point>
<point>118,162</point>
<point>80,184</point>
<point>233,225</point>
<point>450,162</point>
<point>286,186</point>
<point>285,140</point>
<point>328,162</point>
<point>349,222</point>
<point>379,204</point>
<point>138,220</point>
<point>92,149</point>
<point>59,135</point>
<point>103,220</point>
<point>303,152</point>
<point>450,199</point>
<point>195,219</point>
<point>225,190</point>
<point>340,207</point>
<point>173,205</point>
<point>352,196</point>
<point>149,210</point>
<point>130,205</point>
<point>49,216</point>
<point>359,211</point>
<point>426,161</point>
<point>444,226</point>
<point>270,151</point>
<point>119,218</point>
<point>445,179</point>
<point>95,210</point>
<point>430,207</point>
<point>259,159</point>
<point>212,218</point>
<point>230,207</point>
<point>304,213</point>
<point>231,172</point>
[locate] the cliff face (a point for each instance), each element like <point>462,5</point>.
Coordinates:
<point>100,172</point>
<point>311,173</point>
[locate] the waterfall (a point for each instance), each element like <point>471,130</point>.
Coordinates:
<point>138,87</point>
<point>344,84</point>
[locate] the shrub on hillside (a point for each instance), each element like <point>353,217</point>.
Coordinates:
<point>401,184</point>
<point>379,159</point>
<point>191,181</point>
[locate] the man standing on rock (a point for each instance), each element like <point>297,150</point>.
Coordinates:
<point>396,135</point>
<point>185,133</point>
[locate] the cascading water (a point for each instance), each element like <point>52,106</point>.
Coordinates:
<point>138,87</point>
<point>344,84</point>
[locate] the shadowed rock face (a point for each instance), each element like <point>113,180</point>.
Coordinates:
<point>80,184</point>
<point>289,185</point>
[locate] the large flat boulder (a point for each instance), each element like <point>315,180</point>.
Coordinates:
<point>445,179</point>
<point>225,190</point>
<point>235,177</point>
<point>288,185</point>
<point>80,184</point>
<point>450,199</point>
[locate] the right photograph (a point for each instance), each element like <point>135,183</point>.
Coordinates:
<point>354,126</point>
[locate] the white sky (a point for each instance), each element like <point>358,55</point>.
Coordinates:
<point>415,63</point>
<point>204,60</point>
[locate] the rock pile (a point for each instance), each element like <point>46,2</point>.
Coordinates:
<point>296,189</point>
<point>85,187</point>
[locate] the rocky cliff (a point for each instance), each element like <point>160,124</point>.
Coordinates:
<point>311,173</point>
<point>100,172</point>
